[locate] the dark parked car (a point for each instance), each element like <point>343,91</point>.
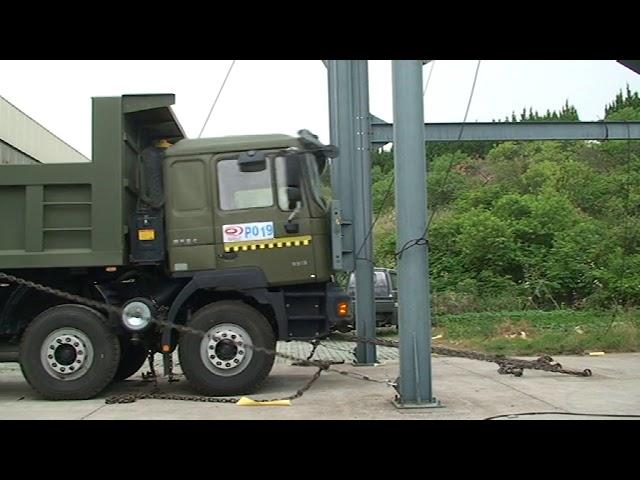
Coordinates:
<point>385,290</point>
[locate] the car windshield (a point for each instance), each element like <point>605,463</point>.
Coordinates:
<point>380,287</point>
<point>394,280</point>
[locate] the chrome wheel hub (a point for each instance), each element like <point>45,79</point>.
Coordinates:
<point>224,350</point>
<point>66,354</point>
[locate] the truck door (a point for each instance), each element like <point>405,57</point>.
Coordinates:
<point>251,219</point>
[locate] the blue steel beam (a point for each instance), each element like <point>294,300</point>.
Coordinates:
<point>498,131</point>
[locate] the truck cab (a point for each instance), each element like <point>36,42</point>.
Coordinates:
<point>222,214</point>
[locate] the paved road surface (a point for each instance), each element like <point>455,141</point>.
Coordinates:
<point>467,389</point>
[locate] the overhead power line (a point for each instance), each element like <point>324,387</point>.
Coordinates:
<point>473,89</point>
<point>224,82</point>
<point>423,239</point>
<point>464,121</point>
<point>426,85</point>
<point>389,189</point>
<point>391,183</point>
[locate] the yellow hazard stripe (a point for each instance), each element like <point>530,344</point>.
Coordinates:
<point>272,243</point>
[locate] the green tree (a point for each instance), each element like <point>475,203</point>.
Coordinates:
<point>548,224</point>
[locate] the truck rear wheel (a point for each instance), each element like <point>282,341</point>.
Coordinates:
<point>224,365</point>
<point>69,353</point>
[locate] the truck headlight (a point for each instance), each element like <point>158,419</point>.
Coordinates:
<point>136,315</point>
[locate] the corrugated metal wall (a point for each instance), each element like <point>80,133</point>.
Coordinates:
<point>9,155</point>
<point>23,140</point>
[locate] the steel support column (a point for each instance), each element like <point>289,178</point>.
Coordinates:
<point>342,135</point>
<point>414,315</point>
<point>351,184</point>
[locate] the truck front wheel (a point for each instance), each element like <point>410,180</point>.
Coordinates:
<point>223,363</point>
<point>69,353</point>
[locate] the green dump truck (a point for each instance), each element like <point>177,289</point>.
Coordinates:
<point>230,236</point>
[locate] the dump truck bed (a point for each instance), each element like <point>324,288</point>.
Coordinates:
<point>76,214</point>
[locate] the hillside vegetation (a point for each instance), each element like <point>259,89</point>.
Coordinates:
<point>527,225</point>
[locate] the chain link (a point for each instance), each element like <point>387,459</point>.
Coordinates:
<point>129,398</point>
<point>156,394</point>
<point>158,320</point>
<point>506,365</point>
<point>360,376</point>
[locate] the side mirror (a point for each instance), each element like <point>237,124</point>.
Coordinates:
<point>294,195</point>
<point>252,161</point>
<point>312,142</point>
<point>331,151</point>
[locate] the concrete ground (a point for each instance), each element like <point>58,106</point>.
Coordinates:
<point>467,389</point>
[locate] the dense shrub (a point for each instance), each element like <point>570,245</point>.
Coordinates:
<point>527,224</point>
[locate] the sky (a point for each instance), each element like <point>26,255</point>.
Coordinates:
<point>284,96</point>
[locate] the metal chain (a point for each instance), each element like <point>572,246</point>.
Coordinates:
<point>158,320</point>
<point>507,365</point>
<point>301,391</point>
<point>156,394</point>
<point>128,398</point>
<point>314,343</point>
<point>360,376</point>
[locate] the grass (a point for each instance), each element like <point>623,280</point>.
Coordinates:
<point>541,332</point>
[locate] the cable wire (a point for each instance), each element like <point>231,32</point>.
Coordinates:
<point>224,82</point>
<point>464,121</point>
<point>391,183</point>
<point>423,240</point>
<point>377,217</point>
<point>613,415</point>
<point>426,85</point>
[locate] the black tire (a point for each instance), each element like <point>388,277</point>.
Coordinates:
<point>104,343</point>
<point>258,367</point>
<point>388,320</point>
<point>132,359</point>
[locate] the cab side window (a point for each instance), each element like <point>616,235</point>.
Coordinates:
<point>240,190</point>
